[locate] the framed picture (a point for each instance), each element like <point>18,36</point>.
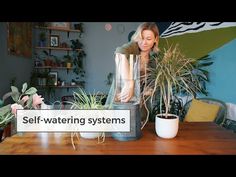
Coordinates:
<point>61,25</point>
<point>54,40</point>
<point>19,39</point>
<point>52,78</point>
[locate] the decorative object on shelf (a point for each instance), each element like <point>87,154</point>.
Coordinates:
<point>54,40</point>
<point>52,78</point>
<point>108,27</point>
<point>42,39</point>
<point>64,45</point>
<point>68,61</point>
<point>80,27</point>
<point>60,25</point>
<point>19,41</point>
<point>120,28</point>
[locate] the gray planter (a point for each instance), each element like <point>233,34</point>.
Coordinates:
<point>135,122</point>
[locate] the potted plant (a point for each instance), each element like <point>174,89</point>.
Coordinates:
<point>42,39</point>
<point>24,99</point>
<point>77,55</point>
<point>80,27</point>
<point>68,61</point>
<point>170,74</point>
<point>82,100</point>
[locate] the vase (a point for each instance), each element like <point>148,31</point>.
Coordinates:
<point>128,76</point>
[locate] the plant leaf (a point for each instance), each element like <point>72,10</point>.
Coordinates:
<point>14,89</point>
<point>24,87</point>
<point>5,109</point>
<point>29,102</point>
<point>31,91</point>
<point>15,96</point>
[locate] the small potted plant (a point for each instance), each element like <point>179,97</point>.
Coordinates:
<point>82,100</point>
<point>68,61</point>
<point>170,74</point>
<point>42,39</point>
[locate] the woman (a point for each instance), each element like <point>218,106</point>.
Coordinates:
<point>144,43</point>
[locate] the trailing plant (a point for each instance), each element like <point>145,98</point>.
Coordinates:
<point>82,100</point>
<point>78,55</point>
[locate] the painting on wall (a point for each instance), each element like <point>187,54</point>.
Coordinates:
<point>19,41</point>
<point>191,36</point>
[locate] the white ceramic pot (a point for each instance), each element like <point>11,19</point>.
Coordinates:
<point>166,128</point>
<point>90,135</point>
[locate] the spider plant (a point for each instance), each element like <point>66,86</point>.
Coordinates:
<point>82,100</point>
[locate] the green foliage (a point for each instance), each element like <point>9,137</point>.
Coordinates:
<point>78,55</point>
<point>201,73</point>
<point>82,100</point>
<point>5,112</point>
<point>109,79</point>
<point>171,73</point>
<point>80,27</point>
<point>42,36</point>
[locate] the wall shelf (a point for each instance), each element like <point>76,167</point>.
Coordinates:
<point>60,86</point>
<point>57,29</point>
<point>56,48</point>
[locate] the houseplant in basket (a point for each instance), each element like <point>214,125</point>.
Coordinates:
<point>169,74</point>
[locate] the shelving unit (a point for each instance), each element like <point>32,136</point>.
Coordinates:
<point>56,48</point>
<point>57,29</point>
<point>54,66</point>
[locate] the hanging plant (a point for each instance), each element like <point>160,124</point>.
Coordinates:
<point>78,55</point>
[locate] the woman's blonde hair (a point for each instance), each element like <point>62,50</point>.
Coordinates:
<point>137,36</point>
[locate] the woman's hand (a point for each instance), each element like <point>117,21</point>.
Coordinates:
<point>127,92</point>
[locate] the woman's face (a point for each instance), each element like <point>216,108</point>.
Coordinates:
<point>147,41</point>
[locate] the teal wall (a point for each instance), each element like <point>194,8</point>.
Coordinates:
<point>99,45</point>
<point>223,73</point>
<point>12,66</point>
<point>220,44</point>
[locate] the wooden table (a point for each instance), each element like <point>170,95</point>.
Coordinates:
<point>192,138</point>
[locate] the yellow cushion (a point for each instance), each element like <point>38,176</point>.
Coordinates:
<point>200,111</point>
